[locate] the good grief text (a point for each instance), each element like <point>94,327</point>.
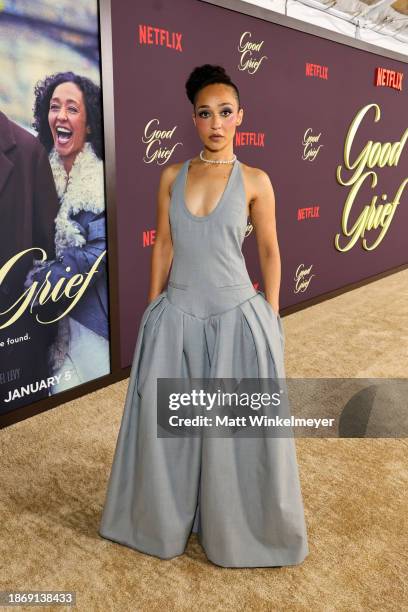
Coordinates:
<point>45,292</point>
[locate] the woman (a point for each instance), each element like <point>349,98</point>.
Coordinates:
<point>67,115</point>
<point>241,495</point>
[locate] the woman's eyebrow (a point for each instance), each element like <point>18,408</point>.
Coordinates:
<point>69,100</point>
<point>207,106</point>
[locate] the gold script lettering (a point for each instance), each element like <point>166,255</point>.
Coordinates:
<point>46,292</point>
<point>155,151</point>
<point>309,151</point>
<point>373,154</point>
<point>302,281</point>
<point>246,49</point>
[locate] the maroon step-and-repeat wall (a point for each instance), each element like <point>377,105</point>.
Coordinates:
<point>326,121</point>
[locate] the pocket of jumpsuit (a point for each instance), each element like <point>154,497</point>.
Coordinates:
<point>278,320</point>
<point>177,285</point>
<point>147,349</point>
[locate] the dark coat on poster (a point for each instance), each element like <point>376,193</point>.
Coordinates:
<point>28,207</point>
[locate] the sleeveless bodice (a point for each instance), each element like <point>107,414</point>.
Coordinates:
<point>207,255</point>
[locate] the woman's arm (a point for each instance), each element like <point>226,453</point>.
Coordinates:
<point>162,254</point>
<point>264,222</point>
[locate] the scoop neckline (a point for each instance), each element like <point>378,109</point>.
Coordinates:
<point>220,201</point>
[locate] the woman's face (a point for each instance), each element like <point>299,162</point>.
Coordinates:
<point>67,121</point>
<point>216,112</point>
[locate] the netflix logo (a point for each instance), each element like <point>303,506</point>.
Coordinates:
<point>316,70</point>
<point>388,78</point>
<point>148,238</point>
<point>250,139</point>
<point>149,35</point>
<point>310,212</point>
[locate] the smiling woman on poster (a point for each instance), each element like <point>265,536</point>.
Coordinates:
<point>68,121</point>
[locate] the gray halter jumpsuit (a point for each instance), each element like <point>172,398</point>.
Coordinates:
<point>240,495</point>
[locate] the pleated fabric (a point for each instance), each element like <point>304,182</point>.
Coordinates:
<point>241,495</point>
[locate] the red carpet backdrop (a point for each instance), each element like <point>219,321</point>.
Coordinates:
<point>326,121</point>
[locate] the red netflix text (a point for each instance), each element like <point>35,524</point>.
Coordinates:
<point>149,35</point>
<point>316,70</point>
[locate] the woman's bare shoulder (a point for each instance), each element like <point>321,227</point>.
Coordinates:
<point>169,175</point>
<point>254,174</point>
<point>256,179</point>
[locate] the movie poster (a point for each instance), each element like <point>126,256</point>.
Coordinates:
<point>54,330</point>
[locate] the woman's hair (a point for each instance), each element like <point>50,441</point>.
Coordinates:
<point>205,75</point>
<point>92,97</point>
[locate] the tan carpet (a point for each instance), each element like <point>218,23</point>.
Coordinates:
<point>55,468</point>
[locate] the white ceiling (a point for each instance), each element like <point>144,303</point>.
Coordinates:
<point>381,22</point>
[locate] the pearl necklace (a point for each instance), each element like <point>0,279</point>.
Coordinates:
<point>217,161</point>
